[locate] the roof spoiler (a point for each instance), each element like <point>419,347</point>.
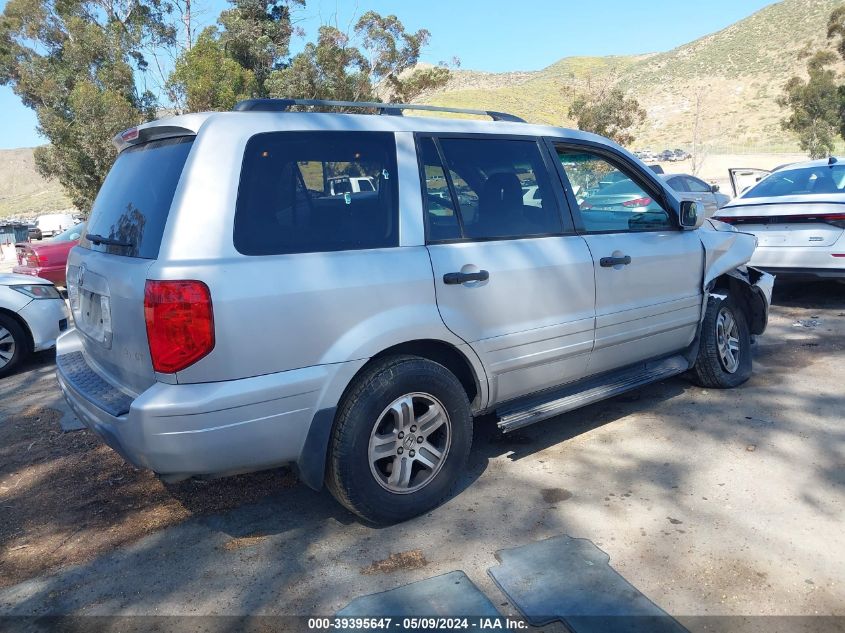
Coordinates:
<point>396,109</point>
<point>137,135</point>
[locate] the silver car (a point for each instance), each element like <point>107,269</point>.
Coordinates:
<point>692,187</point>
<point>356,336</point>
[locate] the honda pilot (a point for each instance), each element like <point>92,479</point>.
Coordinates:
<point>236,309</point>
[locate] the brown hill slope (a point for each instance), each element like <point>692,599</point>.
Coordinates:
<point>738,72</point>
<point>23,192</point>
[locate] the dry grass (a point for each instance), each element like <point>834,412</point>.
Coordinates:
<point>412,559</point>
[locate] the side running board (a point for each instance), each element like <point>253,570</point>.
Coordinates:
<point>531,409</point>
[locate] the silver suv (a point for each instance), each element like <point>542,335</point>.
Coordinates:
<point>236,309</point>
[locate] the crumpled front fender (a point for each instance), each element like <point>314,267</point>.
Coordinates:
<point>724,251</point>
<point>727,252</point>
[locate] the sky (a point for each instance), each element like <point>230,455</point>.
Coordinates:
<point>490,35</point>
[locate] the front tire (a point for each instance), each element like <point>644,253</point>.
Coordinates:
<point>724,355</point>
<point>401,440</point>
<point>14,345</point>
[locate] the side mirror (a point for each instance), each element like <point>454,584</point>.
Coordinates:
<point>714,188</point>
<point>690,216</point>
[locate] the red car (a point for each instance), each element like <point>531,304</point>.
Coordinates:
<point>48,260</point>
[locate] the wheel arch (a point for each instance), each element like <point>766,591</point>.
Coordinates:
<point>14,316</point>
<point>311,465</point>
<point>739,285</point>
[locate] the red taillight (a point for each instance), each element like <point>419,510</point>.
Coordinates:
<point>637,202</point>
<point>180,323</point>
<point>129,135</point>
<point>725,219</point>
<point>32,259</point>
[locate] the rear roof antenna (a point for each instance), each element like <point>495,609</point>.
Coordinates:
<point>832,160</point>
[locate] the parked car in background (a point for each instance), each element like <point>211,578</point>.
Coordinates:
<point>798,216</point>
<point>48,260</point>
<point>356,336</point>
<point>32,315</point>
<point>33,232</point>
<point>681,155</point>
<point>692,187</point>
<point>52,224</point>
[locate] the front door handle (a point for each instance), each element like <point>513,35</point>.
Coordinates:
<point>460,278</point>
<point>610,262</point>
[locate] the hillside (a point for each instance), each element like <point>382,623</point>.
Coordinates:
<point>23,192</point>
<point>738,72</point>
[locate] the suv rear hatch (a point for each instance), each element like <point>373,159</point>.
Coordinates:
<point>788,222</point>
<point>107,272</point>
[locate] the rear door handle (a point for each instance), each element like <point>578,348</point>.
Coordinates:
<point>610,262</point>
<point>460,278</point>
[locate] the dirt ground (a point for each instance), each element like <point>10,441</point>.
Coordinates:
<point>709,502</point>
<point>66,497</point>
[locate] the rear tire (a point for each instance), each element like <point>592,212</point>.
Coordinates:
<point>724,355</point>
<point>401,440</point>
<point>14,345</point>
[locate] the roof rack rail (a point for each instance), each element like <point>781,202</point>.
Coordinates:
<point>283,105</point>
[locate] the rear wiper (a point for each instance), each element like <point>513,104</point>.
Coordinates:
<point>108,241</point>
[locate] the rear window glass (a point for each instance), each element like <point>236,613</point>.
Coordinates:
<point>134,201</point>
<point>499,187</point>
<point>792,182</point>
<point>304,192</point>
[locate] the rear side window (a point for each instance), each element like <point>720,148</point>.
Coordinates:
<point>499,187</point>
<point>491,178</point>
<point>441,219</point>
<point>303,192</point>
<point>133,204</point>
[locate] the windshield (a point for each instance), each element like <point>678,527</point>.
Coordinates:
<point>802,181</point>
<point>134,201</point>
<point>71,235</point>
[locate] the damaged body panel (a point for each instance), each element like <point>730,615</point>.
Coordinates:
<point>726,253</point>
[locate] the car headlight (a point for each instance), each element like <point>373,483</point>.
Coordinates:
<point>38,291</point>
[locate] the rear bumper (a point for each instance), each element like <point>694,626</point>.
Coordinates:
<point>804,261</point>
<point>198,429</point>
<point>797,273</point>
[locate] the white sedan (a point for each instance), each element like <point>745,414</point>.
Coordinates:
<point>32,314</point>
<point>798,215</point>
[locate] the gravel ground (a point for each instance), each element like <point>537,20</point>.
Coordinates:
<point>709,502</point>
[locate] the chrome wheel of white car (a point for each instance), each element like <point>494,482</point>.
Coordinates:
<point>409,443</point>
<point>14,344</point>
<point>7,347</point>
<point>727,340</point>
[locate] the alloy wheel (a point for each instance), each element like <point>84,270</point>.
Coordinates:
<point>409,443</point>
<point>727,340</point>
<point>7,347</point>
